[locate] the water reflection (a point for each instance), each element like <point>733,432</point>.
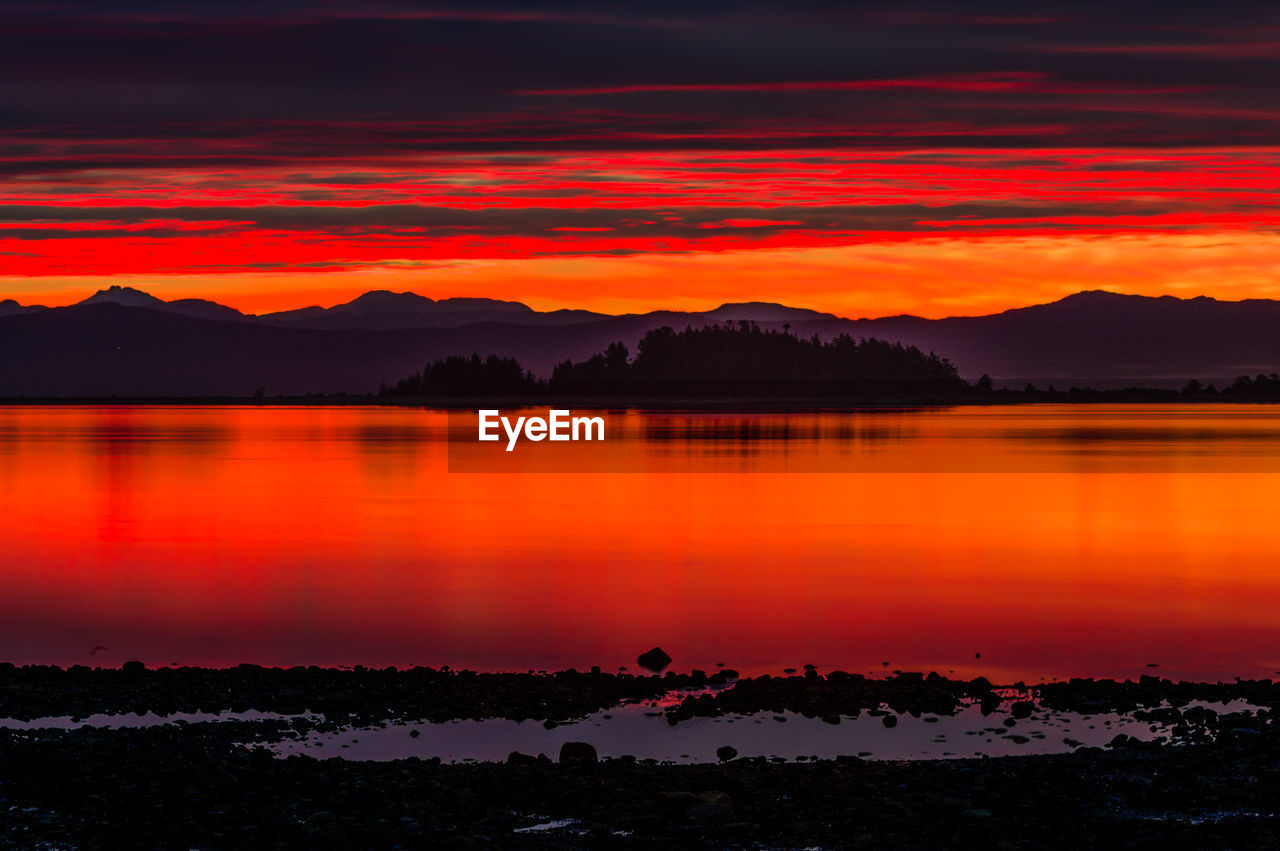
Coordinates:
<point>1012,439</point>
<point>341,536</point>
<point>640,732</point>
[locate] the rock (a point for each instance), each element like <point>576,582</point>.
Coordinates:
<point>654,660</point>
<point>890,721</point>
<point>133,667</point>
<point>1022,709</point>
<point>831,719</point>
<point>517,758</point>
<point>726,753</point>
<point>413,734</point>
<point>578,753</point>
<point>715,796</point>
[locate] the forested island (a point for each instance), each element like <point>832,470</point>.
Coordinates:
<point>743,361</point>
<point>716,361</point>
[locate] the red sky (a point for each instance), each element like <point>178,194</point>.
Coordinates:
<point>862,161</point>
<point>857,233</point>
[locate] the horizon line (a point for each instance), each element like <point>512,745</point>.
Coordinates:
<point>719,306</point>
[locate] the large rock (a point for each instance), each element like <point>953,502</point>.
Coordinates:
<point>578,753</point>
<point>654,660</point>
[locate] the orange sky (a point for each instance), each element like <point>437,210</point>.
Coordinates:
<point>933,233</point>
<point>934,277</point>
<point>861,159</point>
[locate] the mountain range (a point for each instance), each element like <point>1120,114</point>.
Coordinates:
<point>125,342</point>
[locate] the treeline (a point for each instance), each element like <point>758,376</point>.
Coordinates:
<point>1244,387</point>
<point>731,360</point>
<point>473,376</point>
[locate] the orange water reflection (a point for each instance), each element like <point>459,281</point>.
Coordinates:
<point>339,536</point>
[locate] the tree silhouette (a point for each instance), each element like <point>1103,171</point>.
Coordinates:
<point>1260,386</point>
<point>473,376</point>
<point>734,359</point>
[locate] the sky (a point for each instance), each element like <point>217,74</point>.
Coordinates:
<point>862,158</point>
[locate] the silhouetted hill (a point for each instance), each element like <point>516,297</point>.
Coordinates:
<point>1095,337</point>
<point>381,309</point>
<point>196,308</point>
<point>9,307</point>
<point>108,349</point>
<point>125,296</point>
<point>145,346</point>
<point>763,311</point>
<point>199,308</point>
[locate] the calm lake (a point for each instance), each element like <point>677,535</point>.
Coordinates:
<point>1052,540</point>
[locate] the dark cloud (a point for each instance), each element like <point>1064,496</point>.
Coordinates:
<point>410,219</point>
<point>134,84</point>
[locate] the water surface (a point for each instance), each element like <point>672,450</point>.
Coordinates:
<point>1052,540</point>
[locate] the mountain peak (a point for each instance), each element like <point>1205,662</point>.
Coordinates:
<point>388,300</point>
<point>127,296</point>
<point>464,303</point>
<point>1093,296</point>
<point>734,305</point>
<point>1106,296</point>
<point>10,307</point>
<point>764,311</point>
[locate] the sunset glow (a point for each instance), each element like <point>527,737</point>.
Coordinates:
<point>854,234</point>
<point>620,161</point>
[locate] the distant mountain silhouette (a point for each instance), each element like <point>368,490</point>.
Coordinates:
<point>763,311</point>
<point>9,307</point>
<point>197,308</point>
<point>381,309</point>
<point>122,341</point>
<point>1097,337</point>
<point>127,296</point>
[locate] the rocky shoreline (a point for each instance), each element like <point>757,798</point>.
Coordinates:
<point>360,694</point>
<point>195,786</point>
<point>1213,782</point>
